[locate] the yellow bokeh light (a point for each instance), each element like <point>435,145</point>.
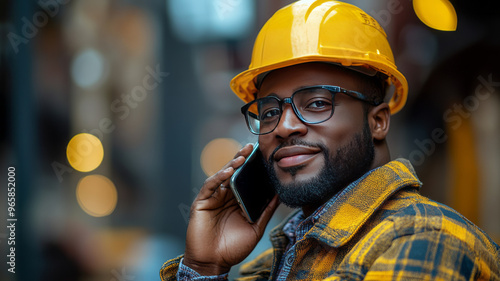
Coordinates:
<point>217,153</point>
<point>97,195</point>
<point>84,152</point>
<point>438,14</point>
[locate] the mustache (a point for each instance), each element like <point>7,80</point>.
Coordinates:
<point>293,142</point>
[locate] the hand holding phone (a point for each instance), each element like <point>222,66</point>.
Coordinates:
<point>219,235</point>
<point>251,185</point>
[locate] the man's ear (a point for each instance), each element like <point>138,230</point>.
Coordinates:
<point>379,119</point>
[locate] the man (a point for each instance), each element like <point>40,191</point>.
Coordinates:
<point>318,78</point>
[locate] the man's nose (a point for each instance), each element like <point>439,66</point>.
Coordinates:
<point>289,123</point>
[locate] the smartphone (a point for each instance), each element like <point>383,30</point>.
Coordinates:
<point>251,185</point>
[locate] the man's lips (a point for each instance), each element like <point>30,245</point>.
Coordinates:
<point>291,156</point>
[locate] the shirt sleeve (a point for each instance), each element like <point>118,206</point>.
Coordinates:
<point>174,269</point>
<point>185,273</point>
<point>168,271</point>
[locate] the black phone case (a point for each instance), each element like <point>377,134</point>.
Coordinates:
<point>251,186</point>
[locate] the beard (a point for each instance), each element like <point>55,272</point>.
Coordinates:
<point>350,163</point>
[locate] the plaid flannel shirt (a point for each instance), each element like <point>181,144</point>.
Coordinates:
<point>379,228</point>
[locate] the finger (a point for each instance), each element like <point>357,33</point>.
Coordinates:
<point>245,150</point>
<point>264,219</point>
<point>240,157</point>
<point>222,188</point>
<point>213,182</point>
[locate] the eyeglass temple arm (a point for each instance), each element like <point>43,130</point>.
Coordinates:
<point>253,115</point>
<point>361,97</point>
<point>244,111</point>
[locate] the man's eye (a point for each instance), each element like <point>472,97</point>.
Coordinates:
<point>270,114</point>
<point>318,104</point>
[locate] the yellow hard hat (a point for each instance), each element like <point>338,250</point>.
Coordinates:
<point>322,31</point>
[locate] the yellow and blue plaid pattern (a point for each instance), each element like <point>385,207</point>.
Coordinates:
<point>380,228</point>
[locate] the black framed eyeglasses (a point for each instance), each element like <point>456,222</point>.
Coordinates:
<point>312,105</point>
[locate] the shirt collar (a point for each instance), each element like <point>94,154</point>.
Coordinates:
<point>341,217</point>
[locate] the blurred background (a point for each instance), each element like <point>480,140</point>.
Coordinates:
<point>150,81</point>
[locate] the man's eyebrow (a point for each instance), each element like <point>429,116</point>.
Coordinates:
<point>293,91</point>
<point>270,95</point>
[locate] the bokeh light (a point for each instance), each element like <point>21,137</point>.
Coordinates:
<point>96,195</point>
<point>85,152</point>
<point>438,14</point>
<point>88,68</point>
<point>196,21</point>
<point>217,153</point>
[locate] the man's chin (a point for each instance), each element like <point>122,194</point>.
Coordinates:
<point>294,174</point>
<point>300,193</point>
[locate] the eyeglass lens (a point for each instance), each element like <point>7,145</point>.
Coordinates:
<point>311,105</point>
